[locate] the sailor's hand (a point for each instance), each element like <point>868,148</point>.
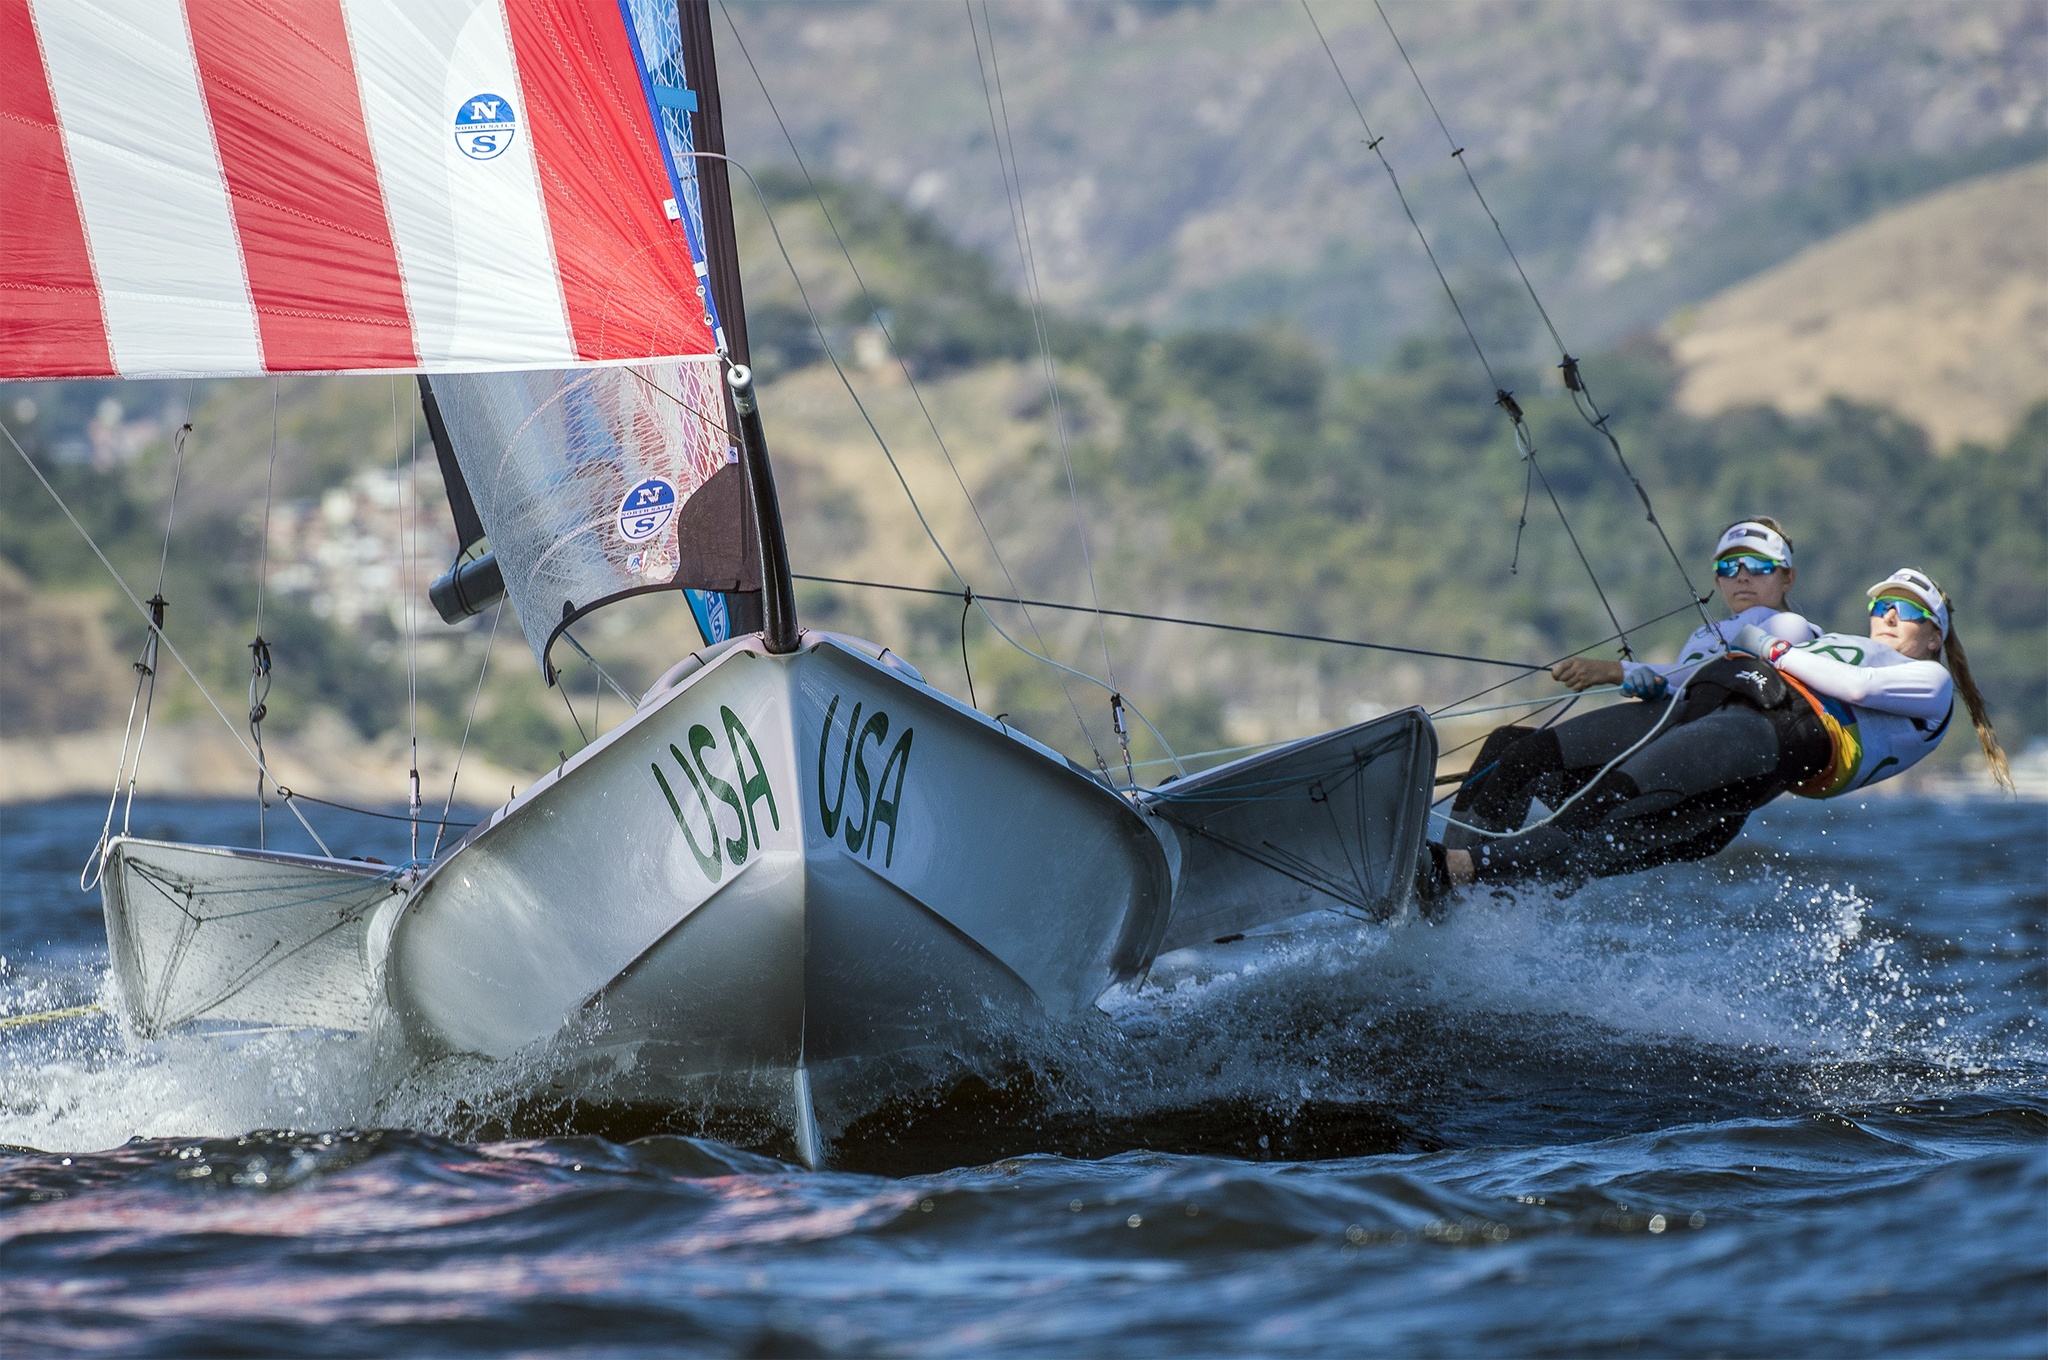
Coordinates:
<point>1756,642</point>
<point>1640,682</point>
<point>1584,673</point>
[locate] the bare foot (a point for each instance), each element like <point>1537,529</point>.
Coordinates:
<point>1459,864</point>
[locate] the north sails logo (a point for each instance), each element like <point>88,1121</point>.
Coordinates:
<point>484,126</point>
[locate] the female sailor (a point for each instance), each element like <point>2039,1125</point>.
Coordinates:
<point>1753,571</point>
<point>1819,717</point>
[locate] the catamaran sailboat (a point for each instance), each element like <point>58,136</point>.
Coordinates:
<point>798,879</point>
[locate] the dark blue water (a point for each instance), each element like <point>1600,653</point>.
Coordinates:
<point>1792,1101</point>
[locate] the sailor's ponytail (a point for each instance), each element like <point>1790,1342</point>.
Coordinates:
<point>1958,663</point>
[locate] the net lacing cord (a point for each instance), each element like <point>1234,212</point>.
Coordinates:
<point>917,393</point>
<point>1574,379</point>
<point>895,467</point>
<point>290,799</point>
<point>144,698</point>
<point>1525,443</point>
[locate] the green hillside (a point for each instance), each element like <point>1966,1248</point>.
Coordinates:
<point>1233,475</point>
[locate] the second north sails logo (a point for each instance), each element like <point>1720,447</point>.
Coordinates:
<point>647,509</point>
<point>484,126</point>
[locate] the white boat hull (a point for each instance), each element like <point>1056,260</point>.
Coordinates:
<point>788,891</point>
<point>780,878</point>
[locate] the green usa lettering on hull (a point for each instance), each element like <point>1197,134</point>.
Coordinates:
<point>753,788</point>
<point>880,804</point>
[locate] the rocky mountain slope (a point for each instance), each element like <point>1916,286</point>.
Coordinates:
<point>1938,310</point>
<point>1200,164</point>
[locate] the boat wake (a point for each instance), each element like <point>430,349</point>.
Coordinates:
<point>1729,990</point>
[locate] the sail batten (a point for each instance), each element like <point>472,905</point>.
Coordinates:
<point>440,186</point>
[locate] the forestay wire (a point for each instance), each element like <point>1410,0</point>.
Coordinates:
<point>1525,443</point>
<point>184,665</point>
<point>867,417</point>
<point>144,699</point>
<point>1027,258</point>
<point>1574,378</point>
<point>910,380</point>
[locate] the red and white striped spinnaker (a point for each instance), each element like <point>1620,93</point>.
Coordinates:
<point>216,187</point>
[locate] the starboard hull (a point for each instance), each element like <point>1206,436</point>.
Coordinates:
<point>783,880</point>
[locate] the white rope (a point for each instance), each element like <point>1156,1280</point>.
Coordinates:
<point>1670,709</point>
<point>168,645</point>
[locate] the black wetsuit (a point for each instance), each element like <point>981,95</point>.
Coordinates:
<point>1740,738</point>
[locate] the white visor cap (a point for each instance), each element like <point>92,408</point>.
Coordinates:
<point>1751,537</point>
<point>1914,585</point>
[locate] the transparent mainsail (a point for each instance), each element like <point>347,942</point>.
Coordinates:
<point>599,483</point>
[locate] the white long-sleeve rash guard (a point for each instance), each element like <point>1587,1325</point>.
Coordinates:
<point>1890,710</point>
<point>1707,643</point>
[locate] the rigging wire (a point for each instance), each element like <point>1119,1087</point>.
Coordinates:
<point>1502,397</point>
<point>259,650</point>
<point>818,326</point>
<point>412,610</point>
<point>406,816</point>
<point>1027,255</point>
<point>1184,622</point>
<point>1574,378</point>
<point>407,489</point>
<point>1639,625</point>
<point>144,698</point>
<point>497,616</point>
<point>291,799</point>
<point>876,311</point>
<point>603,675</point>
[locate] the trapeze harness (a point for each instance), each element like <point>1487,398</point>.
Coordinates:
<point>1835,715</point>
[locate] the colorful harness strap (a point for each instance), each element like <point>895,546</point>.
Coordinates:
<point>1846,756</point>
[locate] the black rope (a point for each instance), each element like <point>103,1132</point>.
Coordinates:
<point>1575,383</point>
<point>1502,397</point>
<point>290,795</point>
<point>1169,618</point>
<point>966,605</point>
<point>1522,520</point>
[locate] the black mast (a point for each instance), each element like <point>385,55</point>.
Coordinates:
<point>773,612</point>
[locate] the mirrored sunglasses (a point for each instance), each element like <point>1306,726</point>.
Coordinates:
<point>1755,566</point>
<point>1907,610</point>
